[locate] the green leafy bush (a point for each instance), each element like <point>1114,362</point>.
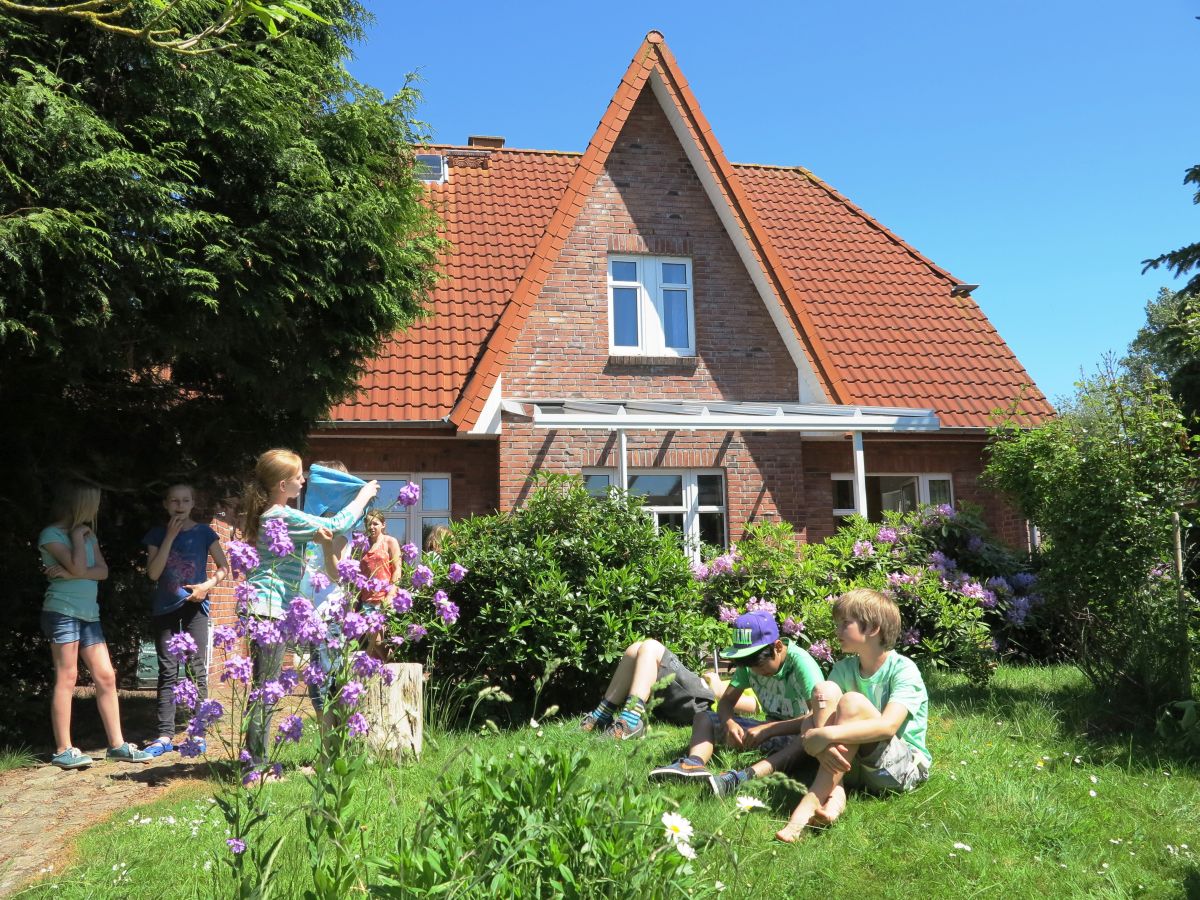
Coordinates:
<point>570,578</point>
<point>530,826</point>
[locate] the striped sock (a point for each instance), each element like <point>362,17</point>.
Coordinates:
<point>604,712</point>
<point>635,708</point>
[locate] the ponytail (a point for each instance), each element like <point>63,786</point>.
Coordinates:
<point>272,467</point>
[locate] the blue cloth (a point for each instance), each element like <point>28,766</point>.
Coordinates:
<point>63,629</point>
<point>329,490</point>
<point>187,563</point>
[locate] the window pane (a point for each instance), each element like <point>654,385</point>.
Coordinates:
<point>674,273</point>
<point>597,485</point>
<point>898,493</point>
<point>624,271</point>
<point>625,319</point>
<point>675,319</point>
<point>428,523</point>
<point>658,490</point>
<point>710,490</point>
<point>435,493</point>
<point>389,489</point>
<point>939,491</point>
<point>712,528</point>
<point>670,521</point>
<point>397,527</point>
<point>843,494</point>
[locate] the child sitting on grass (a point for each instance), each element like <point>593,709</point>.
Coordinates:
<point>644,664</point>
<point>869,726</point>
<point>783,678</point>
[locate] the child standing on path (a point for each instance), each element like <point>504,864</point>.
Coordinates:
<point>178,564</point>
<point>278,477</point>
<point>71,620</point>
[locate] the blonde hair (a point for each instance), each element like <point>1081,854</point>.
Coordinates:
<point>76,503</point>
<point>870,609</point>
<point>437,537</point>
<point>375,515</point>
<point>273,466</point>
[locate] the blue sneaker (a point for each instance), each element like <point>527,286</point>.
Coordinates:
<point>71,758</point>
<point>158,747</point>
<point>128,753</point>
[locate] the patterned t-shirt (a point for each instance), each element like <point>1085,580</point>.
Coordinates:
<point>187,563</point>
<point>785,694</point>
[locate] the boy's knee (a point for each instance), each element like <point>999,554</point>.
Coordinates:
<point>652,648</point>
<point>853,703</point>
<point>826,694</point>
<point>634,648</point>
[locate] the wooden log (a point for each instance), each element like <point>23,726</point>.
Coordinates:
<point>396,713</point>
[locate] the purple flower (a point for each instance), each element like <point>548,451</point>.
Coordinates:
<point>348,569</point>
<point>457,573</point>
<point>422,577</point>
<point>181,646</point>
<point>386,675</point>
<point>409,495</point>
<point>945,510</point>
<point>190,747</point>
<point>206,714</point>
<point>820,650</point>
<point>314,675</point>
<point>358,725</point>
<point>376,622</point>
<point>354,626</point>
<point>351,692</point>
<point>416,632</point>
<point>886,535</point>
<point>289,678</point>
<point>186,693</point>
<point>411,552</point>
<point>1159,571</point>
<point>448,611</point>
<point>242,557</point>
<point>895,579</point>
<point>863,549</point>
<point>402,602</point>
<point>279,542</point>
<point>225,637</point>
<point>699,570</point>
<point>245,756</point>
<point>290,729</point>
<point>251,777</point>
<point>1018,611</point>
<point>910,637</point>
<point>998,585</point>
<point>245,592</point>
<point>1023,581</point>
<point>727,614</point>
<point>239,668</point>
<point>975,544</point>
<point>791,627</point>
<point>365,666</point>
<point>264,632</point>
<point>236,845</point>
<point>318,580</point>
<point>269,694</point>
<point>721,565</point>
<point>301,623</point>
<point>939,562</point>
<point>756,605</point>
<point>360,542</point>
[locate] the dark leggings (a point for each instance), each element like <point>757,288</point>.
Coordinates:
<point>268,663</point>
<point>190,618</point>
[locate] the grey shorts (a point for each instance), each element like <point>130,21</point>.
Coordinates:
<point>684,695</point>
<point>893,767</point>
<point>766,748</point>
<point>64,629</point>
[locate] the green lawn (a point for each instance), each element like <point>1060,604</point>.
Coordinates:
<point>1023,802</point>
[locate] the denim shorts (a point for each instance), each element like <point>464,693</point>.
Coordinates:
<point>64,629</point>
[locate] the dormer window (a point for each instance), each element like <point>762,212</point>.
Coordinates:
<point>650,310</point>
<point>431,167</point>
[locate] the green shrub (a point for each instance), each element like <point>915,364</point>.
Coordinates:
<point>567,577</point>
<point>530,826</point>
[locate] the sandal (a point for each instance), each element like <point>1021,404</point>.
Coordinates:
<point>158,747</point>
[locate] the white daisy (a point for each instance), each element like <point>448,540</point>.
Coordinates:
<point>679,829</point>
<point>746,803</point>
<point>687,851</point>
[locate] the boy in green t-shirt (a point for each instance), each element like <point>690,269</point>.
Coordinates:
<point>783,678</point>
<point>869,726</point>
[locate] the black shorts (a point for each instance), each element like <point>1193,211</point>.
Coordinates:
<point>684,695</point>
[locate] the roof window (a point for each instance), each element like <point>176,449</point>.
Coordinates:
<point>431,167</point>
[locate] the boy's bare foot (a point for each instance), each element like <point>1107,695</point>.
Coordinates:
<point>790,833</point>
<point>801,816</point>
<point>827,813</point>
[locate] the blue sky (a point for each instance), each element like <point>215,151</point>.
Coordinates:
<point>1035,148</point>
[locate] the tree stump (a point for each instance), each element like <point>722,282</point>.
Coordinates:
<point>396,713</point>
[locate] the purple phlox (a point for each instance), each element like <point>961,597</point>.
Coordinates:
<point>409,495</point>
<point>181,646</point>
<point>289,678</point>
<point>359,542</point>
<point>448,611</point>
<point>721,565</point>
<point>190,747</point>
<point>314,675</point>
<point>910,637</point>
<point>416,632</point>
<point>224,637</point>
<point>457,573</point>
<point>301,623</point>
<point>863,549</point>
<point>1018,610</point>
<point>376,622</point>
<point>998,585</point>
<point>386,675</point>
<point>245,757</point>
<point>699,570</point>
<point>820,650</point>
<point>422,577</point>
<point>411,552</point>
<point>358,725</point>
<point>402,602</point>
<point>238,668</point>
<point>185,693</point>
<point>754,604</point>
<point>269,694</point>
<point>365,665</point>
<point>727,614</point>
<point>350,693</point>
<point>243,557</point>
<point>279,542</point>
<point>251,777</point>
<point>264,632</point>
<point>975,544</point>
<point>791,627</point>
<point>319,581</point>
<point>440,597</point>
<point>348,569</point>
<point>206,714</point>
<point>290,729</point>
<point>333,609</point>
<point>886,535</point>
<point>245,592</point>
<point>236,846</point>
<point>354,626</point>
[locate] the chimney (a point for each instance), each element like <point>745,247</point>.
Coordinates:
<point>485,141</point>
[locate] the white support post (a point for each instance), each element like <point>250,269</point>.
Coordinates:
<point>860,476</point>
<point>622,461</point>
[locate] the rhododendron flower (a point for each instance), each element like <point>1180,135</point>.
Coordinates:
<point>863,548</point>
<point>791,627</point>
<point>699,570</point>
<point>727,614</point>
<point>721,565</point>
<point>886,535</point>
<point>910,637</point>
<point>820,650</point>
<point>754,604</point>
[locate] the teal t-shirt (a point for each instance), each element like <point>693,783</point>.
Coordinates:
<point>785,694</point>
<point>897,681</point>
<point>69,596</point>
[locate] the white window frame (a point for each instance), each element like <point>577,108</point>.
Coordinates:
<point>650,318</point>
<point>413,515</point>
<point>923,479</point>
<point>443,168</point>
<point>691,508</point>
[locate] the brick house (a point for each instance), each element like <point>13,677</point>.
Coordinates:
<point>732,342</point>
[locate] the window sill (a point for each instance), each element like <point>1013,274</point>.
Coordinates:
<point>637,359</point>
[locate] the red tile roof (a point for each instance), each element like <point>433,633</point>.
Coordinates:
<point>876,317</point>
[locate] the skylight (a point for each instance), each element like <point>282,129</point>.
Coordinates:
<point>431,167</point>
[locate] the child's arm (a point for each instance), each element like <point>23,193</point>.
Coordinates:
<point>200,590</point>
<point>304,527</point>
<point>335,552</point>
<point>734,733</point>
<point>394,558</point>
<point>71,562</point>
<point>156,562</point>
<point>866,731</point>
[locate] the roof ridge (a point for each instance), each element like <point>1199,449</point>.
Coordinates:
<point>500,149</point>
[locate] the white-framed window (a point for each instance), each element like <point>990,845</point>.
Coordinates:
<point>650,309</point>
<point>412,523</point>
<point>900,493</point>
<point>430,167</point>
<point>689,501</point>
